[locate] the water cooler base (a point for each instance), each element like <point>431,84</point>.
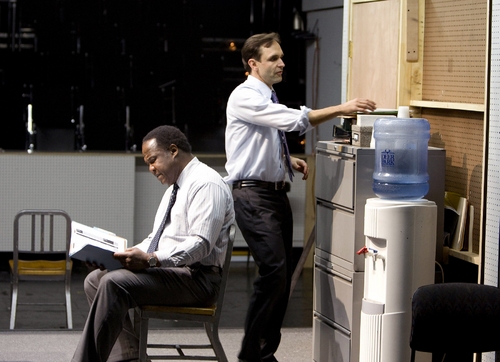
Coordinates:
<point>399,257</point>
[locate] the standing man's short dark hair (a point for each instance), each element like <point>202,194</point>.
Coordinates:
<point>252,47</point>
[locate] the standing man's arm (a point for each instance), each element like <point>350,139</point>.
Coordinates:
<point>318,116</point>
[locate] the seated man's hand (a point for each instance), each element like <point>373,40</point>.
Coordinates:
<point>133,259</point>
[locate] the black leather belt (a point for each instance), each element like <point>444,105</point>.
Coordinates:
<point>262,184</point>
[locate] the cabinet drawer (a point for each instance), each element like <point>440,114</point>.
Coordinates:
<point>340,233</point>
<point>335,180</point>
<point>335,234</point>
<point>329,344</point>
<point>338,297</point>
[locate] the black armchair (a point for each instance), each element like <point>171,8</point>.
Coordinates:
<point>455,320</point>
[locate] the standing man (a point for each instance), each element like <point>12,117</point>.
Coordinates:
<point>179,263</point>
<point>257,160</point>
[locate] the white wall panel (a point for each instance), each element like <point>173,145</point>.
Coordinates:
<point>95,189</point>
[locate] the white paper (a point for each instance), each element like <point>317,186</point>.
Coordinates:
<point>95,245</point>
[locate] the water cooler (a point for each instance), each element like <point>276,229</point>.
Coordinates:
<point>400,234</point>
<point>399,257</point>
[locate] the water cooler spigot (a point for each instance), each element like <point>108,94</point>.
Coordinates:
<point>373,253</point>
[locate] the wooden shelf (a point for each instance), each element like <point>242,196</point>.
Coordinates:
<point>449,105</point>
<point>466,256</point>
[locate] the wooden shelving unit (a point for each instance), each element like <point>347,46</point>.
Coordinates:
<point>436,64</point>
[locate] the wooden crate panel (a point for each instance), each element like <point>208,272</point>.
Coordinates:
<point>374,57</point>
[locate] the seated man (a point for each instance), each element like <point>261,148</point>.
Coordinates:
<point>179,263</point>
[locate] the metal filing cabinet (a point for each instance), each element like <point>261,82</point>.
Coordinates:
<point>343,183</point>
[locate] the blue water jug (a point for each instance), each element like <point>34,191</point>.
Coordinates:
<point>401,147</point>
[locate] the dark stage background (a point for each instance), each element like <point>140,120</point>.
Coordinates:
<point>148,62</point>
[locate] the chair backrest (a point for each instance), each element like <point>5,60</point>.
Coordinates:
<point>225,269</point>
<point>41,234</point>
<point>458,317</point>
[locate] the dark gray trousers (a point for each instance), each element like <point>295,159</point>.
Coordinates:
<point>265,220</point>
<point>108,333</point>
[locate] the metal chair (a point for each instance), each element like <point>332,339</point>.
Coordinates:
<point>209,316</point>
<point>455,320</point>
<point>41,246</point>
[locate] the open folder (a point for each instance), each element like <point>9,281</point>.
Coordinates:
<point>95,245</point>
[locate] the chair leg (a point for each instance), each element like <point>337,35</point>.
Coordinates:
<point>143,337</point>
<point>69,314</point>
<point>412,355</point>
<point>13,306</point>
<point>213,335</point>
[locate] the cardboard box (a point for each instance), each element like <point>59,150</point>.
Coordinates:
<point>361,135</point>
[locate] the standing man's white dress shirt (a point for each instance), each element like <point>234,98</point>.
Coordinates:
<point>253,146</point>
